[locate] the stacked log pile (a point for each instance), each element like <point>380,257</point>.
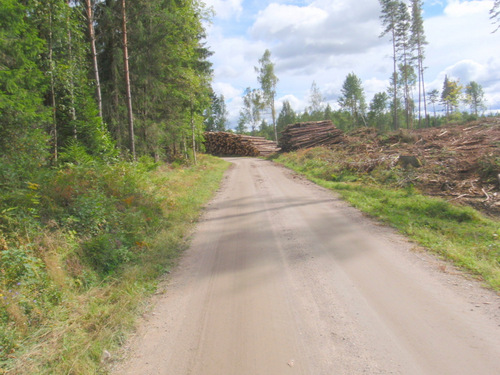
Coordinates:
<point>229,144</point>
<point>263,145</point>
<point>309,134</point>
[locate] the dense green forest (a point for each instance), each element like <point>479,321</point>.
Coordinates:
<point>94,96</point>
<point>69,68</point>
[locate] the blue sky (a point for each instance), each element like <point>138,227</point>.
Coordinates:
<point>324,40</point>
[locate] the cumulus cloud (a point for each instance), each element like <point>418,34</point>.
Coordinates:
<point>460,8</point>
<point>309,36</point>
<point>225,9</point>
<point>226,89</point>
<point>280,20</point>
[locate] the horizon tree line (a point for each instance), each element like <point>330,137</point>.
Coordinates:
<point>403,22</point>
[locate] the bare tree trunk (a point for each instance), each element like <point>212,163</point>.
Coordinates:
<point>395,78</point>
<point>72,83</point>
<point>52,87</point>
<point>193,130</point>
<point>423,91</point>
<point>419,95</point>
<point>273,113</point>
<point>127,82</point>
<point>90,18</point>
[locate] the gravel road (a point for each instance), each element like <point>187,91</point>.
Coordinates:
<point>282,277</point>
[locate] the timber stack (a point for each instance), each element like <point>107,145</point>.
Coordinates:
<point>309,134</point>
<point>230,144</point>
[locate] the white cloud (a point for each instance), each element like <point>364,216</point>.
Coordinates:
<point>295,102</point>
<point>226,89</point>
<point>466,71</point>
<point>459,9</point>
<point>226,9</point>
<point>279,21</point>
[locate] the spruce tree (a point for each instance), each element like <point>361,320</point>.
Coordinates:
<point>23,116</point>
<point>286,117</point>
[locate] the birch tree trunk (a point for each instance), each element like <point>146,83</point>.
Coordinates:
<point>90,18</point>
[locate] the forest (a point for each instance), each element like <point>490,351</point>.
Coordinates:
<point>95,97</point>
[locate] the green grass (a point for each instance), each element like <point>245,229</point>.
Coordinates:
<point>460,234</point>
<point>65,310</point>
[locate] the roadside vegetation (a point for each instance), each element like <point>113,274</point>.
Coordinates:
<point>461,234</point>
<point>81,247</point>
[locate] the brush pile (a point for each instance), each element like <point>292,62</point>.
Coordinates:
<point>460,162</point>
<point>309,134</point>
<point>229,144</point>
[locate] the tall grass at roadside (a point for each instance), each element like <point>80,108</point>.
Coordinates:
<point>460,234</point>
<point>99,240</point>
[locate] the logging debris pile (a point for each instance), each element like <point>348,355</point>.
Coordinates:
<point>458,162</point>
<point>309,134</point>
<point>230,144</point>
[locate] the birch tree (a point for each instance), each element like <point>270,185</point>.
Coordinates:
<point>268,82</point>
<point>89,7</point>
<point>474,97</point>
<point>352,99</point>
<point>253,104</point>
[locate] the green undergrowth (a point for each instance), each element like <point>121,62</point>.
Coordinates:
<point>460,234</point>
<point>80,250</point>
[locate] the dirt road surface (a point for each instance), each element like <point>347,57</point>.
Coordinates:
<point>284,278</point>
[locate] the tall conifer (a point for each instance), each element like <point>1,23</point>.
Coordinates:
<point>389,17</point>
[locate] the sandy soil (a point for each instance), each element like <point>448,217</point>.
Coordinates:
<point>284,278</point>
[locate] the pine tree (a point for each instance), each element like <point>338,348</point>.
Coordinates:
<point>418,41</point>
<point>495,14</point>
<point>389,17</point>
<point>404,50</point>
<point>126,72</point>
